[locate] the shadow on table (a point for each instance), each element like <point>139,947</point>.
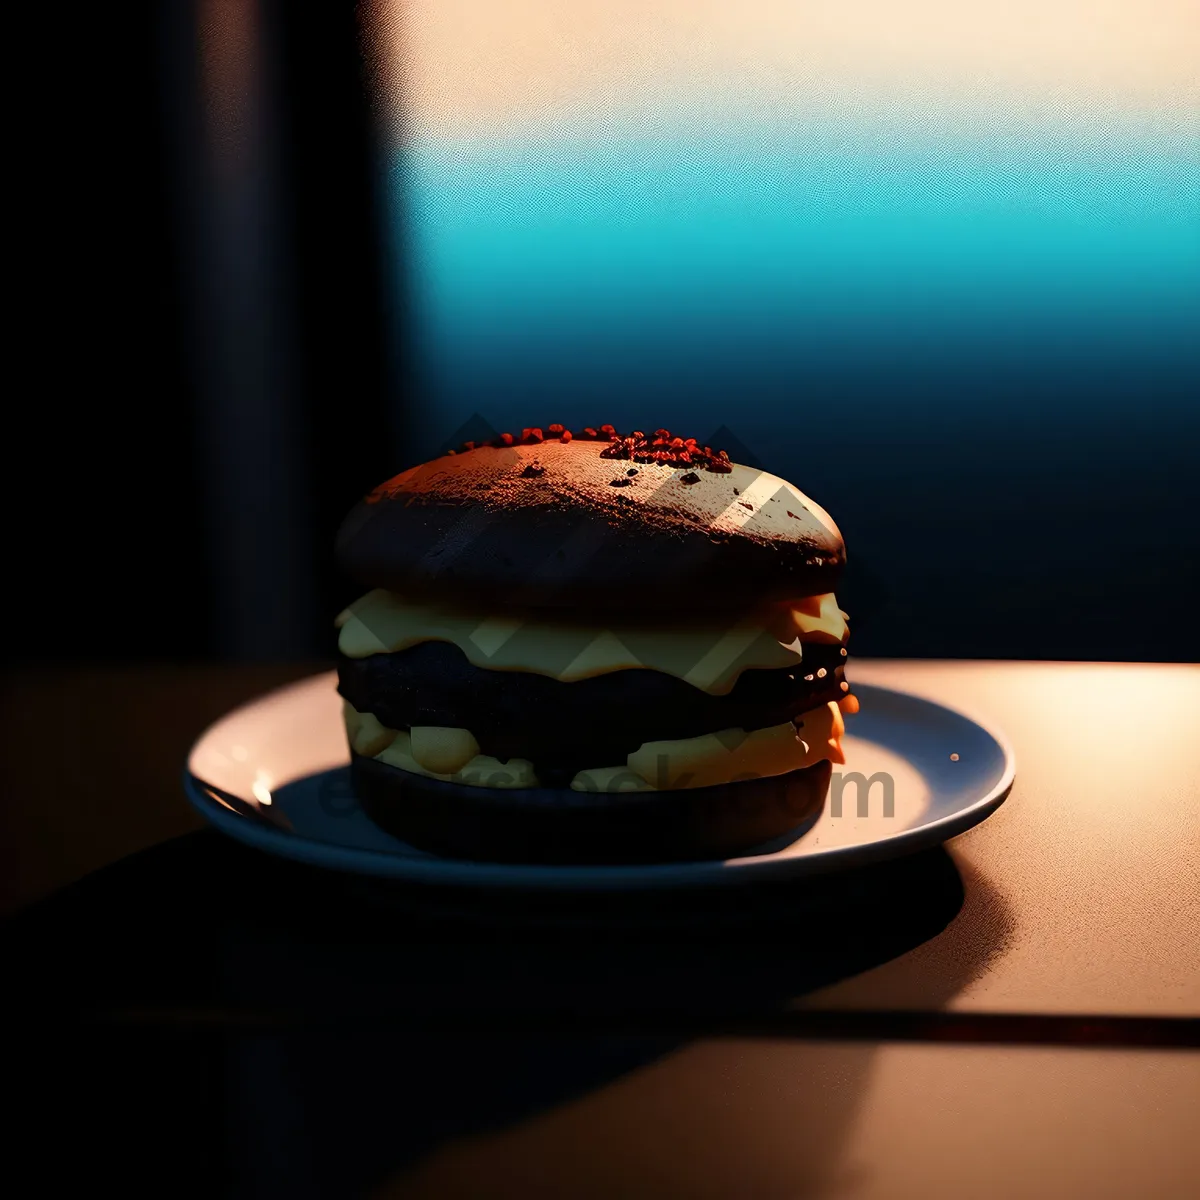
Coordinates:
<point>290,1031</point>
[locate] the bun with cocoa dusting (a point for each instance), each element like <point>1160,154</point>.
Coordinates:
<point>590,520</point>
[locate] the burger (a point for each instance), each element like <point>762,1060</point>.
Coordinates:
<point>579,646</point>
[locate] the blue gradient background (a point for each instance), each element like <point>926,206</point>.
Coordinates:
<point>978,350</point>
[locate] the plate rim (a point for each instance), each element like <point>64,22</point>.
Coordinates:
<point>421,868</point>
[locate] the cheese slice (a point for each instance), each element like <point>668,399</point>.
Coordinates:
<point>710,658</point>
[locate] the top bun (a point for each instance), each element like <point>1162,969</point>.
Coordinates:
<point>592,523</point>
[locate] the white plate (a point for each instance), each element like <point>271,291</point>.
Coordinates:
<point>274,774</point>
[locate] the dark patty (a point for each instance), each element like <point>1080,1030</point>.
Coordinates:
<point>563,728</point>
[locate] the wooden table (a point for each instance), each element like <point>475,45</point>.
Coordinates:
<point>1012,1018</point>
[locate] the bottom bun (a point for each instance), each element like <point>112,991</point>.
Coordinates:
<point>559,825</point>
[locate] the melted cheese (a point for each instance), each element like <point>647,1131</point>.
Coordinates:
<point>713,758</point>
<point>364,732</point>
<point>733,754</point>
<point>442,750</point>
<point>710,658</point>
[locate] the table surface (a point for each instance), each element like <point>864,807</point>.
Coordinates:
<point>1056,943</point>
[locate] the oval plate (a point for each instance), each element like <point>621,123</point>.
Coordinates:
<point>274,774</point>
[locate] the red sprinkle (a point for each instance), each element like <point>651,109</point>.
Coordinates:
<point>661,447</point>
<point>666,450</point>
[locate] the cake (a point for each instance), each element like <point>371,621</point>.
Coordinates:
<point>578,646</point>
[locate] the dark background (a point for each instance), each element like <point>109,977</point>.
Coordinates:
<point>211,380</point>
<point>184,434</point>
